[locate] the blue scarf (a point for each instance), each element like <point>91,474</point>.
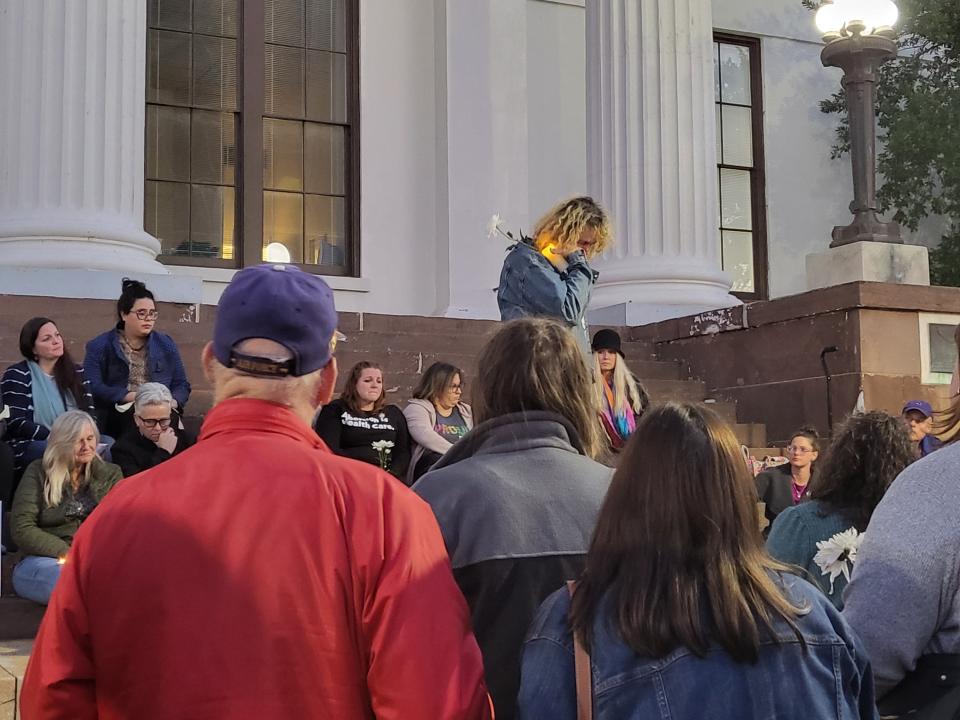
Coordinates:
<point>48,403</point>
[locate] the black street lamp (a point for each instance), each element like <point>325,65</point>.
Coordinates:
<point>859,39</point>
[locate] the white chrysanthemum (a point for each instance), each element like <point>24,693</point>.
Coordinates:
<point>493,227</point>
<point>837,555</point>
<point>381,445</point>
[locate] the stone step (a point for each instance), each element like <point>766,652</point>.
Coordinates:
<point>13,665</point>
<point>751,434</point>
<point>19,618</point>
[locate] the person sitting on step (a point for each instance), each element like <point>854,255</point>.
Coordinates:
<point>40,388</point>
<point>436,417</point>
<point>55,495</point>
<point>119,361</point>
<point>157,436</point>
<point>782,486</point>
<point>619,398</point>
<point>360,424</point>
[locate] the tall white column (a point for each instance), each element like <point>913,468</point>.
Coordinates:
<point>651,158</point>
<point>72,75</point>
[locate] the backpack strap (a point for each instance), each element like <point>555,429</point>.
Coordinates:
<point>581,661</point>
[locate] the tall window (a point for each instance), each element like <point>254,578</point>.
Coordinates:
<point>740,177</point>
<point>251,131</point>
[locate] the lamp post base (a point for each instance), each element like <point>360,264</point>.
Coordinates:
<point>866,230</point>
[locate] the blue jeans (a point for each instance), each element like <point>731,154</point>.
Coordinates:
<point>34,578</point>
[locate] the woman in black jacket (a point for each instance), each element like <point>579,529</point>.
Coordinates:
<point>787,485</point>
<point>360,425</point>
<point>157,436</point>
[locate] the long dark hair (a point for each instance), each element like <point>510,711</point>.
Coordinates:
<point>131,291</point>
<point>867,454</point>
<point>435,380</point>
<point>536,364</point>
<point>677,547</point>
<point>349,395</point>
<point>64,371</point>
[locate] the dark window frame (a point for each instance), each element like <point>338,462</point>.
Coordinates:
<point>249,185</point>
<point>758,175</point>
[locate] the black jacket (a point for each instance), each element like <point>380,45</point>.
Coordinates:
<point>134,453</point>
<point>775,489</point>
<point>516,501</point>
<point>352,434</point>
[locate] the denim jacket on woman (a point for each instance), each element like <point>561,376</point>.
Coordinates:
<point>830,679</point>
<point>531,285</point>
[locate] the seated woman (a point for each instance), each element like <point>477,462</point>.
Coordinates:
<point>157,436</point>
<point>435,417</point>
<point>357,425</point>
<point>549,275</point>
<point>40,388</point>
<point>516,500</point>
<point>783,486</point>
<point>680,607</point>
<point>119,361</point>
<point>56,494</point>
<point>620,399</point>
<point>867,454</point>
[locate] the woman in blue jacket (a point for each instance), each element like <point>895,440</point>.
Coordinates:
<point>119,361</point>
<point>682,612</point>
<point>549,275</point>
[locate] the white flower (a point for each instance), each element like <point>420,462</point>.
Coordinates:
<point>838,554</point>
<point>381,445</point>
<point>493,227</point>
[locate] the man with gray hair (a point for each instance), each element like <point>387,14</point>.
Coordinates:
<point>157,436</point>
<point>257,574</point>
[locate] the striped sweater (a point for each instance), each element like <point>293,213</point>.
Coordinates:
<point>16,388</point>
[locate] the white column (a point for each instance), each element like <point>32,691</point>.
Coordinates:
<point>651,140</point>
<point>482,154</point>
<point>72,75</point>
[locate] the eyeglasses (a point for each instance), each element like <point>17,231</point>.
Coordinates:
<point>164,423</point>
<point>799,450</point>
<point>147,314</point>
<point>455,388</point>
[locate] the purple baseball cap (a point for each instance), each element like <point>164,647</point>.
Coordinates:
<point>280,303</point>
<point>921,406</point>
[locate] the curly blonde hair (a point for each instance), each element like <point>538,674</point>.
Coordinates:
<point>565,222</point>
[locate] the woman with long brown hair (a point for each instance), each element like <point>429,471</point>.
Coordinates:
<point>517,497</point>
<point>680,608</point>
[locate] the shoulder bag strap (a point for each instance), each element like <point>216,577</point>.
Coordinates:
<point>581,661</point>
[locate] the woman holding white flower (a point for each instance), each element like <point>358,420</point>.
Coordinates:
<point>822,536</point>
<point>549,275</point>
<point>360,425</point>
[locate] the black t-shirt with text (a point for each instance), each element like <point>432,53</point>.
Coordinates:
<point>353,434</point>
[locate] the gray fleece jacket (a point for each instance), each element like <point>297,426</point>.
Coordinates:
<point>904,597</point>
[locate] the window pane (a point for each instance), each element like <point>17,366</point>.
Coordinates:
<point>283,81</point>
<point>168,72</point>
<point>327,25</point>
<point>211,221</point>
<point>719,136</point>
<point>737,136</point>
<point>282,154</point>
<point>738,259</point>
<point>214,73</point>
<point>169,14</point>
<point>716,72</point>
<point>283,22</point>
<point>167,215</point>
<point>168,143</point>
<point>215,17</point>
<point>735,74</point>
<point>283,222</point>
<point>323,159</point>
<point>213,152</point>
<point>325,242</point>
<point>326,86</point>
<point>735,205</point>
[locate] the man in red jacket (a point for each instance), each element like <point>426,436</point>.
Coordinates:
<point>257,575</point>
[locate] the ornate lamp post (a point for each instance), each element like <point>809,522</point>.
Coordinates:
<point>859,37</point>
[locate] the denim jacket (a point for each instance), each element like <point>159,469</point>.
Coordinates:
<point>831,679</point>
<point>108,371</point>
<point>531,285</point>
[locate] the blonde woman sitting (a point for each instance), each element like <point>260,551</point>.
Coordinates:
<point>56,494</point>
<point>549,275</point>
<point>619,398</point>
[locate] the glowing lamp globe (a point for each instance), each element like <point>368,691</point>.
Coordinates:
<point>276,253</point>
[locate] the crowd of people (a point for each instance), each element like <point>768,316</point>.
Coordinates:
<point>559,548</point>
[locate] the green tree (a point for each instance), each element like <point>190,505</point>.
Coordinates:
<point>918,118</point>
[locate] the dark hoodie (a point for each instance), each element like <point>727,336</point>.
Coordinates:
<point>516,500</point>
